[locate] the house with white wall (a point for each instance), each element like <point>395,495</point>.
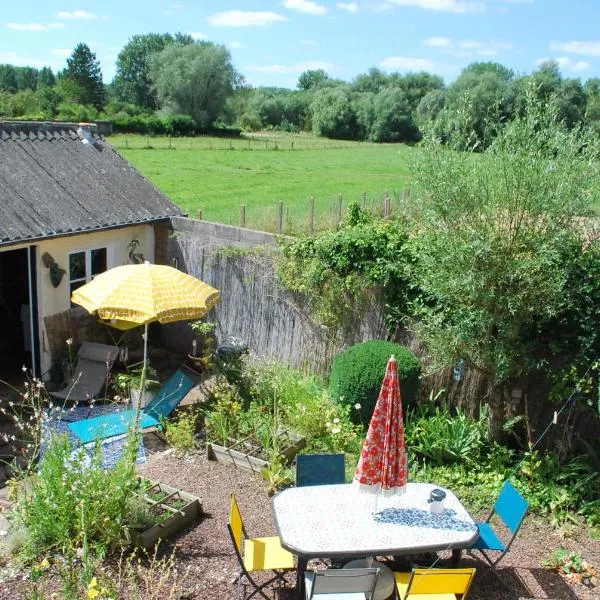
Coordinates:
<point>70,208</point>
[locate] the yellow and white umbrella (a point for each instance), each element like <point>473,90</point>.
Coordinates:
<point>140,294</point>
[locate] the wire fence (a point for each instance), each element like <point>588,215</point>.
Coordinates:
<point>312,216</point>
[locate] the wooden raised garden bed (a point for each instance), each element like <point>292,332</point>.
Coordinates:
<point>247,454</point>
<point>174,510</point>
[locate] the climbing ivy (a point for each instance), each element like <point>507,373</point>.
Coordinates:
<point>340,272</point>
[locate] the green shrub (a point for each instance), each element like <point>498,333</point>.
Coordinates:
<point>180,434</point>
<point>357,374</point>
<point>72,501</point>
<point>444,436</point>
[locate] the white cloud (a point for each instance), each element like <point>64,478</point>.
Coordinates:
<point>591,48</point>
<point>167,12</point>
<point>19,60</point>
<point>198,36</point>
<point>349,6</point>
<point>309,43</point>
<point>438,42</point>
<point>35,26</point>
<point>76,14</point>
<point>235,44</point>
<point>63,52</point>
<point>566,63</point>
<point>405,63</point>
<point>305,6</point>
<point>296,68</point>
<point>454,6</point>
<point>241,18</point>
<point>467,48</point>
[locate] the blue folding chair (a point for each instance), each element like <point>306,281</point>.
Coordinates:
<point>511,509</point>
<point>150,418</point>
<point>320,469</point>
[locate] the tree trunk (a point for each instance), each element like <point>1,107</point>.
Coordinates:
<point>497,413</point>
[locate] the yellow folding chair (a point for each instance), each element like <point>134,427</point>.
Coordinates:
<point>256,554</point>
<point>434,584</point>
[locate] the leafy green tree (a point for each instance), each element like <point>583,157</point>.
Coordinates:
<point>132,82</point>
<point>83,77</point>
<point>27,78</point>
<point>312,79</point>
<point>480,97</point>
<point>194,79</point>
<point>417,85</point>
<point>8,78</point>
<point>46,77</point>
<point>373,81</point>
<point>334,114</point>
<point>496,239</point>
<point>393,118</point>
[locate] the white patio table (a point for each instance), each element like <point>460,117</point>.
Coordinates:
<point>336,521</point>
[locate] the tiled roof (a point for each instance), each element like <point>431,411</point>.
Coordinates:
<point>54,182</point>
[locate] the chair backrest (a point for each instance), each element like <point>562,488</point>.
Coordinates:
<point>320,469</point>
<point>348,581</point>
<point>440,581</point>
<point>98,352</point>
<point>173,391</point>
<point>511,507</point>
<point>236,525</point>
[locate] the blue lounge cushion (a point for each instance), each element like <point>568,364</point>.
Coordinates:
<point>487,540</point>
<point>170,395</point>
<point>106,426</point>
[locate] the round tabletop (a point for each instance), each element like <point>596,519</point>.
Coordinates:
<point>385,581</point>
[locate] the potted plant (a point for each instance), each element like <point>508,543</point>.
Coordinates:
<point>203,345</point>
<point>128,384</point>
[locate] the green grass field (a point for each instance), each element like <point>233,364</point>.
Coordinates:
<point>217,175</point>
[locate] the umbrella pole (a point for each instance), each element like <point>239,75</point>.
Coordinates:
<point>144,366</point>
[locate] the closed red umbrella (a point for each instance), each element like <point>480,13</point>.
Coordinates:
<point>382,467</point>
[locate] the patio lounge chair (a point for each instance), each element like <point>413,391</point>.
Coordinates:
<point>320,469</point>
<point>94,362</point>
<point>338,584</point>
<point>170,395</point>
<point>444,584</point>
<point>256,554</point>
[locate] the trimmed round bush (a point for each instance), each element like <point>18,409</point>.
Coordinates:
<point>357,374</point>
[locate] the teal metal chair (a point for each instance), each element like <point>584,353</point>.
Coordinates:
<point>320,469</point>
<point>150,418</point>
<point>511,509</point>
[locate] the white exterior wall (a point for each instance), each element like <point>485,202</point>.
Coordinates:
<point>52,300</point>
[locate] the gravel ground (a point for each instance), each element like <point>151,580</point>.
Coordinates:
<point>205,551</point>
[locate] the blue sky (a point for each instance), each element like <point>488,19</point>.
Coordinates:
<point>273,41</point>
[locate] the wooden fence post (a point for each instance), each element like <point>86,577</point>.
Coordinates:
<point>386,207</point>
<point>199,214</point>
<point>363,200</point>
<point>406,194</point>
<point>280,217</point>
<point>242,215</point>
<point>311,215</point>
<point>339,211</point>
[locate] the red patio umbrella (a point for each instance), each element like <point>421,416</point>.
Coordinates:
<point>382,467</point>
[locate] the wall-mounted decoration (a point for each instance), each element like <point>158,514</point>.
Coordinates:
<point>55,272</point>
<point>137,258</point>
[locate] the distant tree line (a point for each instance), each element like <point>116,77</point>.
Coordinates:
<point>168,83</point>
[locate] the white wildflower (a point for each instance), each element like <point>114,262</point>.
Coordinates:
<point>336,420</point>
<point>357,406</point>
<point>335,430</point>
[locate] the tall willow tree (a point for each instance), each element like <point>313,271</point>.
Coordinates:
<point>497,235</point>
<point>195,79</point>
